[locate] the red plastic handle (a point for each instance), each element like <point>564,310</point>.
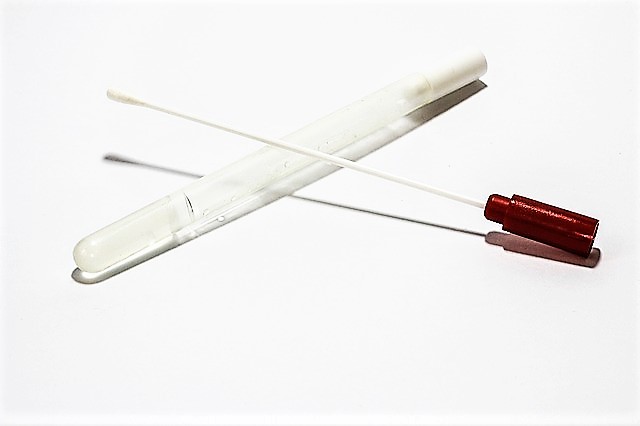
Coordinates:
<point>544,223</point>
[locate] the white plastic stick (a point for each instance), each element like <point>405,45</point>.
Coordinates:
<point>332,159</point>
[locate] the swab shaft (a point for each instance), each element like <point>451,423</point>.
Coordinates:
<point>332,159</point>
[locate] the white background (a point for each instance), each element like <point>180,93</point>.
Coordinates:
<point>299,312</point>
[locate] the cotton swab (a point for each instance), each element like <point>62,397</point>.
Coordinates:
<point>522,216</point>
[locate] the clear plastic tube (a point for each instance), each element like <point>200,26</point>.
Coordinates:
<point>265,175</point>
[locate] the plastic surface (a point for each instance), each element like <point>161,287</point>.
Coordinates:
<point>218,197</point>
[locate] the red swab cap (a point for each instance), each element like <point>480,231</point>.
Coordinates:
<point>544,223</point>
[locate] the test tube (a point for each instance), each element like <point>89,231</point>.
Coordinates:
<point>265,175</point>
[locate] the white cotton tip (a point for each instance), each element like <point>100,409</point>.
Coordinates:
<point>118,96</point>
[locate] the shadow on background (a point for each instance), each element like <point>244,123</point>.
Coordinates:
<point>522,245</point>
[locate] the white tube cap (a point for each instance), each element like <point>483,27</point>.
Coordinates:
<point>456,72</point>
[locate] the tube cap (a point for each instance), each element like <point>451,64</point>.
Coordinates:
<point>544,223</point>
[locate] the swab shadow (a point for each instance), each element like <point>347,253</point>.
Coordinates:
<point>516,244</point>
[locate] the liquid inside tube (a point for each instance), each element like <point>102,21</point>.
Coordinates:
<point>212,200</point>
